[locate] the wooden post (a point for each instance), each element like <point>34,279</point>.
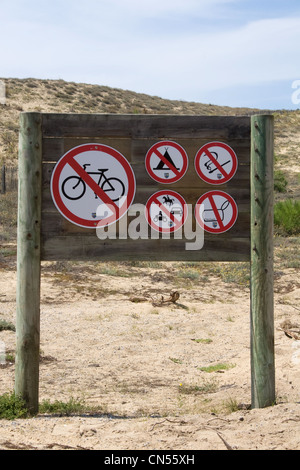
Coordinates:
<point>262,304</point>
<point>28,261</point>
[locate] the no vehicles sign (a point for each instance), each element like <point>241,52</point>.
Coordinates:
<point>93,185</point>
<point>166,211</point>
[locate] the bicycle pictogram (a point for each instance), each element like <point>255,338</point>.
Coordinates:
<point>74,187</point>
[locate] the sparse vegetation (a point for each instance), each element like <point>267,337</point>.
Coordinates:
<point>287,217</point>
<point>280,181</point>
<point>208,386</point>
<point>8,215</point>
<point>287,252</point>
<point>231,405</point>
<point>217,367</point>
<point>203,340</point>
<point>238,273</point>
<point>72,406</point>
<point>12,407</point>
<point>175,360</point>
<point>5,325</point>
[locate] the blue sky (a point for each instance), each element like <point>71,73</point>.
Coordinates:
<point>225,52</point>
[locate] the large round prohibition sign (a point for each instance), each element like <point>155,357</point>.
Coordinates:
<point>166,162</point>
<point>216,163</point>
<point>93,185</point>
<point>216,212</point>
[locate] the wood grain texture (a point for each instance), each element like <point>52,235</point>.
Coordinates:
<point>262,303</point>
<point>28,260</point>
<point>143,126</point>
<point>83,247</point>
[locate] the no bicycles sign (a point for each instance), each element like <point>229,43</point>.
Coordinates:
<point>93,185</point>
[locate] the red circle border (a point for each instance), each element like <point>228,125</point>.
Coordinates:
<point>54,184</point>
<point>171,193</point>
<point>184,157</point>
<point>216,193</point>
<point>232,154</point>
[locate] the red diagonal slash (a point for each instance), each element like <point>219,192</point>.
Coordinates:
<point>215,162</point>
<point>166,162</point>
<point>216,212</point>
<point>165,210</point>
<point>93,185</point>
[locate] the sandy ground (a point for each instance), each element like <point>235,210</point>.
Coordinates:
<point>104,341</point>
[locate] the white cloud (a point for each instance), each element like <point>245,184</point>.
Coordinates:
<point>107,42</point>
<point>149,8</point>
<point>158,7</point>
<point>260,51</point>
<point>265,50</point>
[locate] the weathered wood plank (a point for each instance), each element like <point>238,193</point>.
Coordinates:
<point>139,126</point>
<point>93,249</point>
<point>53,223</point>
<point>55,148</point>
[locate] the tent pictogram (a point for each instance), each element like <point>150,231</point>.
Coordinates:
<point>166,162</point>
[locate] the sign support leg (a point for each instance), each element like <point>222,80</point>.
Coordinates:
<point>262,303</point>
<point>28,261</point>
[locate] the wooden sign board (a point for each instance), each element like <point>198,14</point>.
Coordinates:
<point>226,163</point>
<point>136,137</point>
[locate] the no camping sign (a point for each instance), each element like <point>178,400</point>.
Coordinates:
<point>93,185</point>
<point>166,162</point>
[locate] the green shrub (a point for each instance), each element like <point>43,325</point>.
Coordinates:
<point>287,217</point>
<point>5,325</point>
<point>61,408</point>
<point>280,182</point>
<point>217,367</point>
<point>12,407</point>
